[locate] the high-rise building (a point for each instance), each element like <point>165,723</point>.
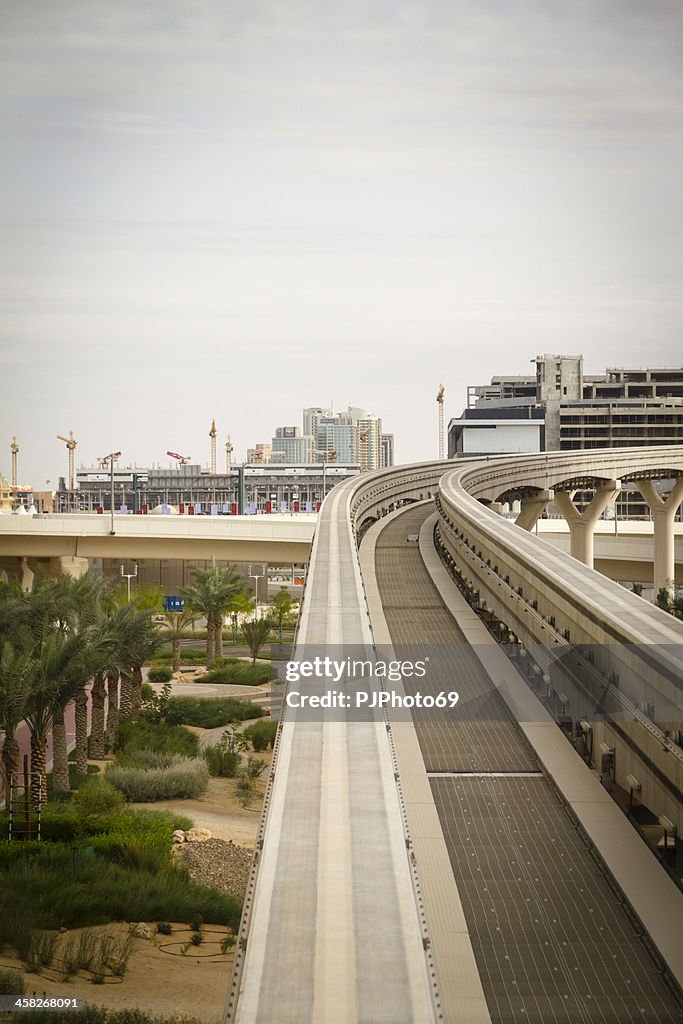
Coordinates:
<point>290,446</point>
<point>387,443</point>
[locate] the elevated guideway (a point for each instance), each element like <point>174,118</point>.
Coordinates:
<point>335,925</point>
<point>40,540</point>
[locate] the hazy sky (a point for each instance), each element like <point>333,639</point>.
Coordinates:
<point>215,208</point>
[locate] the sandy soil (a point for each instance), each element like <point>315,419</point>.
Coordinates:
<point>159,979</point>
<point>220,811</point>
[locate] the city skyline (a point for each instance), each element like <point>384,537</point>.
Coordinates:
<point>232,213</point>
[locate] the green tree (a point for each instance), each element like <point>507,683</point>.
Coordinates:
<point>175,625</point>
<point>281,604</point>
<point>256,633</point>
<point>211,594</point>
<point>16,675</point>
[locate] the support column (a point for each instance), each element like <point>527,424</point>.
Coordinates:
<point>663,512</point>
<point>582,524</point>
<point>26,575</point>
<point>72,565</point>
<point>532,508</point>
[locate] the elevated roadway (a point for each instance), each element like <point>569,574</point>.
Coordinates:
<point>274,538</point>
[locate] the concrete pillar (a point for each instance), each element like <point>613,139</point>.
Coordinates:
<point>72,565</point>
<point>532,508</point>
<point>582,524</point>
<point>663,513</point>
<point>26,574</point>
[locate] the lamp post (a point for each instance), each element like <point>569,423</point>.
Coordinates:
<point>111,458</point>
<point>130,576</point>
<point>256,576</point>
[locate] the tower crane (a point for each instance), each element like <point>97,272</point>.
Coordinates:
<point>212,435</point>
<point>14,448</point>
<point>70,443</point>
<point>228,454</point>
<point>182,459</point>
<point>439,399</point>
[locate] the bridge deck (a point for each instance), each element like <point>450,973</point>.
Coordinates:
<point>551,940</point>
<point>335,933</point>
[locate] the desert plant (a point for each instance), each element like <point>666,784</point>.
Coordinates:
<point>159,674</point>
<point>196,938</point>
<point>262,734</point>
<point>164,928</point>
<point>11,983</point>
<point>211,712</point>
<point>227,943</point>
<point>256,634</point>
<point>196,922</point>
<point>253,768</point>
<point>41,952</point>
<point>122,948</point>
<point>185,778</point>
<point>157,736</point>
<point>245,790</point>
<point>97,797</point>
<point>240,673</point>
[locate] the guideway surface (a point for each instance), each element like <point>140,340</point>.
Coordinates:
<point>334,935</point>
<point>552,942</point>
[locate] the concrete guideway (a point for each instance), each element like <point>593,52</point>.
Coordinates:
<point>333,931</point>
<point>558,946</point>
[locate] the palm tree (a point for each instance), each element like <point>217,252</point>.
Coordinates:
<point>210,594</point>
<point>176,623</point>
<point>256,633</point>
<point>61,665</point>
<point>282,604</point>
<point>16,674</point>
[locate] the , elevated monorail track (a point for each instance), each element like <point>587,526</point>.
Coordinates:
<point>334,927</point>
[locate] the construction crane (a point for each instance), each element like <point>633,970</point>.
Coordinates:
<point>212,435</point>
<point>228,454</point>
<point>439,399</point>
<point>14,448</point>
<point>105,458</point>
<point>70,443</point>
<point>364,448</point>
<point>182,459</point>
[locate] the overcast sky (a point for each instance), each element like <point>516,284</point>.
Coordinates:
<point>215,208</point>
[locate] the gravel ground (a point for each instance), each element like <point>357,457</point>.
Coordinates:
<point>219,864</point>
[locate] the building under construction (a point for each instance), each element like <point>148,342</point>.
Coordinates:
<point>191,490</point>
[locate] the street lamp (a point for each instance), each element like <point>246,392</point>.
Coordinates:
<point>111,459</point>
<point>256,576</point>
<point>130,576</point>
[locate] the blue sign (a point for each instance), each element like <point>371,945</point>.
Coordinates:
<point>174,604</point>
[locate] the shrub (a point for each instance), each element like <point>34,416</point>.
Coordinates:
<point>98,1015</point>
<point>164,928</point>
<point>11,983</point>
<point>97,797</point>
<point>222,763</point>
<point>253,768</point>
<point>184,778</point>
<point>245,790</point>
<point>196,938</point>
<point>159,674</point>
<point>157,736</point>
<point>188,656</point>
<point>262,734</point>
<point>41,951</point>
<point>239,673</point>
<point>43,891</point>
<point>146,692</point>
<point>212,712</point>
